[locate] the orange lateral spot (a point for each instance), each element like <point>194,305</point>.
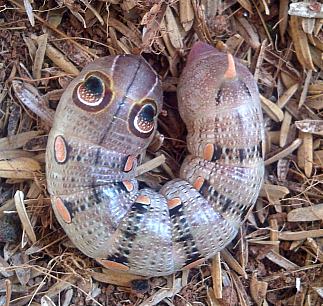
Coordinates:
<point>173,202</point>
<point>194,264</point>
<point>143,199</point>
<point>208,151</point>
<point>129,163</point>
<point>128,185</point>
<point>62,210</point>
<point>60,150</point>
<point>231,70</point>
<point>198,183</point>
<point>109,264</point>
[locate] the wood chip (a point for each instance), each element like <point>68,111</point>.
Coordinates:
<point>305,9</point>
<point>163,31</point>
<point>283,17</point>
<point>305,88</point>
<point>301,235</point>
<point>310,126</point>
<point>29,11</point>
<point>247,31</point>
<point>24,218</point>
<point>39,56</point>
<point>258,289</point>
<point>282,169</point>
<point>151,164</point>
<point>46,301</point>
<point>173,29</point>
<point>306,214</point>
<point>305,153</point>
<point>93,10</point>
<point>273,234</point>
<point>285,97</point>
<point>29,96</point>
<point>308,25</point>
<point>316,57</point>
<point>216,273</point>
<point>285,152</point>
<point>186,14</point>
<point>281,261</point>
<point>272,109</point>
<point>246,5</point>
<point>285,129</point>
<point>301,44</point>
<point>233,263</point>
<point>115,278</point>
<point>274,193</point>
<point>311,243</point>
<point>59,59</point>
<point>167,292</point>
<point>122,28</point>
<point>11,154</point>
<point>8,285</point>
<point>318,158</point>
<point>62,284</point>
<point>20,168</point>
<point>242,294</point>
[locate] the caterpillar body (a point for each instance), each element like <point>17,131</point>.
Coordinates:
<point>107,117</point>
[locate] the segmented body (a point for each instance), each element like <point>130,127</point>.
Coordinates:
<point>107,117</point>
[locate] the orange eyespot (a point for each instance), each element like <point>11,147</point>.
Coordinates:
<point>94,94</point>
<point>142,118</point>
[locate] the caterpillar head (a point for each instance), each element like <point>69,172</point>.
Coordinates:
<point>115,97</point>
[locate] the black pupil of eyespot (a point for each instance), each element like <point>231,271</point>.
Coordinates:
<point>147,113</point>
<point>94,85</point>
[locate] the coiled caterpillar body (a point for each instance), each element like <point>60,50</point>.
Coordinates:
<point>107,116</point>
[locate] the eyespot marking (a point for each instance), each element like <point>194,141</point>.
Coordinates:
<point>94,93</point>
<point>129,163</point>
<point>143,199</point>
<point>62,210</point>
<point>91,91</point>
<point>144,121</point>
<point>142,118</point>
<point>60,150</point>
<point>172,203</point>
<point>109,264</point>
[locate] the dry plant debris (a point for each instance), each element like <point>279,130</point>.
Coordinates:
<point>277,257</point>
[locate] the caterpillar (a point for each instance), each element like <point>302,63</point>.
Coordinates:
<point>107,116</point>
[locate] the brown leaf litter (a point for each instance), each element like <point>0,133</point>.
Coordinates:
<point>276,258</point>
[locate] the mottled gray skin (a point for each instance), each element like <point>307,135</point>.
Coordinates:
<point>181,225</point>
<point>226,113</point>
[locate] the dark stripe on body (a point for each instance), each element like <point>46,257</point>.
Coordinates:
<point>97,156</point>
<point>134,221</point>
<point>240,153</point>
<point>186,238</point>
<point>217,153</point>
<point>96,194</point>
<point>212,195</point>
<point>70,206</point>
<point>246,88</point>
<point>259,147</point>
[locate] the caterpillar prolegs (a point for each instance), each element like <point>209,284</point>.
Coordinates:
<point>107,116</point>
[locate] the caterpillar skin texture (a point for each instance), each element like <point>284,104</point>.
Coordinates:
<point>107,116</point>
